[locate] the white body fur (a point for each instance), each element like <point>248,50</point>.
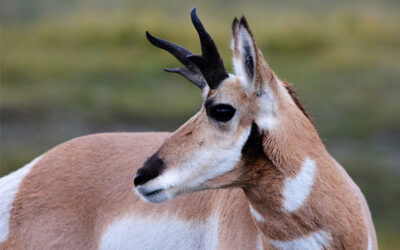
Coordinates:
<point>316,241</point>
<point>167,232</point>
<point>9,186</point>
<point>296,191</point>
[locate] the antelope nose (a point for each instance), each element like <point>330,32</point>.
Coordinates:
<point>139,179</point>
<point>151,169</point>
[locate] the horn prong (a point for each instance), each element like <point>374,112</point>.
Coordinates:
<point>192,73</point>
<point>194,77</point>
<point>177,51</point>
<point>207,68</point>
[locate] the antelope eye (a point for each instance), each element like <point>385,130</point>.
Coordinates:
<point>221,112</point>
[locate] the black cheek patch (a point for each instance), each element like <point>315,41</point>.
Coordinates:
<point>253,148</point>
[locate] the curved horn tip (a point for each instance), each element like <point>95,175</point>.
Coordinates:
<point>193,11</point>
<point>148,34</point>
<point>160,43</point>
<point>196,20</point>
<point>150,37</point>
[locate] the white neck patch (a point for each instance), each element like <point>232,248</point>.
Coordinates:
<point>316,240</point>
<point>257,216</point>
<point>296,190</point>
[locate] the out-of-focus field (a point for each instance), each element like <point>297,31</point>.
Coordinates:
<point>69,69</point>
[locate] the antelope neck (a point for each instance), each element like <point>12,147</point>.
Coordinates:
<point>280,184</point>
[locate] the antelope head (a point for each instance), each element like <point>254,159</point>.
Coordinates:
<point>238,110</point>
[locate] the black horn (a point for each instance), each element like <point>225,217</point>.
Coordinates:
<point>210,62</point>
<point>192,72</point>
<point>207,68</point>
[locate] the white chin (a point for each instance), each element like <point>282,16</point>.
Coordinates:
<point>157,197</point>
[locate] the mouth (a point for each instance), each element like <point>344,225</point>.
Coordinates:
<point>153,192</point>
<point>154,196</point>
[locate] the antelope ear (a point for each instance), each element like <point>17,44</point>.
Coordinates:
<point>244,52</point>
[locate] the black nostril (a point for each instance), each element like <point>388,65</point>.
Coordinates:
<point>139,179</point>
<point>150,170</point>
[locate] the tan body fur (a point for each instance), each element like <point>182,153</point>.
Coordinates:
<point>274,185</point>
<point>77,188</point>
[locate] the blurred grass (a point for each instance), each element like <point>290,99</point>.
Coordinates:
<point>89,69</point>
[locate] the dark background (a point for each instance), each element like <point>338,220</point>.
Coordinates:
<point>70,68</point>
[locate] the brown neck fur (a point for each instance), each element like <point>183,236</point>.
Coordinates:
<point>294,138</point>
<point>293,94</point>
<point>274,156</point>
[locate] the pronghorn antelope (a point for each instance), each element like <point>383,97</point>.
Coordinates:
<point>267,180</point>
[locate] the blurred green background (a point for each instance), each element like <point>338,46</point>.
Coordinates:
<point>70,68</point>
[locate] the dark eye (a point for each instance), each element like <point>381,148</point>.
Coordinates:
<point>221,112</point>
